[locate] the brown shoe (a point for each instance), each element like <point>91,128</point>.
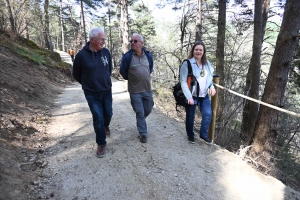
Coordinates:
<point>107,131</point>
<point>101,151</point>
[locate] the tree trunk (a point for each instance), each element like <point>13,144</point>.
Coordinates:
<point>220,63</point>
<point>199,21</point>
<point>11,17</point>
<point>265,10</point>
<point>62,28</point>
<point>250,111</point>
<point>73,43</point>
<point>287,40</point>
<point>124,26</point>
<point>79,39</point>
<point>83,22</point>
<point>26,29</point>
<point>110,42</point>
<point>46,24</point>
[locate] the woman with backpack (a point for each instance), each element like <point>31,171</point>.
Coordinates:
<point>198,93</point>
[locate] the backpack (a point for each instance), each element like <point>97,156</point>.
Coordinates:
<point>177,90</point>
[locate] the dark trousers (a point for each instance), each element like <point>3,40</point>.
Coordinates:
<point>101,109</point>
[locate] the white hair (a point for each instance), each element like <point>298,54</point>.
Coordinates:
<point>95,31</point>
<point>141,37</point>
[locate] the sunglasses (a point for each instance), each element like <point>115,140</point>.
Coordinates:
<point>134,41</point>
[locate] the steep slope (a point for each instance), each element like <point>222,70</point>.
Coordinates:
<point>27,91</point>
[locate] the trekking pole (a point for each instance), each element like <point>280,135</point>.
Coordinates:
<point>214,106</point>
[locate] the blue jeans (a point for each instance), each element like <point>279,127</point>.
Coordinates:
<point>142,104</point>
<point>101,109</point>
<point>205,109</point>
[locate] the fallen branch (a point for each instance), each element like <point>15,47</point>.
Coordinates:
<point>29,163</point>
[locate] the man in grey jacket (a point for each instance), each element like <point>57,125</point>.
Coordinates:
<point>136,67</point>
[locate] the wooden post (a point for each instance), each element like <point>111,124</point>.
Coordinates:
<point>214,106</point>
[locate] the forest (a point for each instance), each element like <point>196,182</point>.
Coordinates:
<point>253,45</point>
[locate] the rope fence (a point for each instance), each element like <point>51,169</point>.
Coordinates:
<point>259,102</point>
<point>243,96</point>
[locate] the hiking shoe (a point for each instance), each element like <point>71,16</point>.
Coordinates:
<point>101,151</point>
<point>143,139</point>
<point>192,140</point>
<point>206,140</point>
<point>107,131</point>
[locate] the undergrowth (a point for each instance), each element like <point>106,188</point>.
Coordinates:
<point>31,51</point>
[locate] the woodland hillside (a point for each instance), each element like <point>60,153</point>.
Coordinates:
<point>28,92</point>
<point>253,46</point>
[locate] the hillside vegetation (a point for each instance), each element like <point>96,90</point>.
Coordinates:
<point>30,78</point>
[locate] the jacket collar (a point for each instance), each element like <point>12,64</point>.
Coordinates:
<point>193,60</point>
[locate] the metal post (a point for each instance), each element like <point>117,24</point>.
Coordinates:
<point>214,106</point>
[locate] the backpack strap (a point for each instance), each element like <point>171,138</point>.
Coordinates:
<point>190,71</point>
<point>190,77</point>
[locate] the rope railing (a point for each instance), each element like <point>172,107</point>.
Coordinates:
<point>243,96</point>
<point>259,102</point>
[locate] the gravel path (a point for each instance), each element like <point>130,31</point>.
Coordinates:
<point>167,167</point>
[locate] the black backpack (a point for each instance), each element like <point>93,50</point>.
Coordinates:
<point>177,90</point>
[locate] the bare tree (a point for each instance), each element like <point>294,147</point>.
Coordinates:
<point>287,40</point>
<point>250,111</point>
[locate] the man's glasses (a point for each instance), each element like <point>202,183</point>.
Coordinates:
<point>134,41</point>
<point>101,39</point>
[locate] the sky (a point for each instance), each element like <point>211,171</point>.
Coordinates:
<point>169,15</point>
<point>166,14</point>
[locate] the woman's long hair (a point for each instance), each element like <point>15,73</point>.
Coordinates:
<point>203,59</point>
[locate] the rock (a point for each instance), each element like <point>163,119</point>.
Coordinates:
<point>10,125</point>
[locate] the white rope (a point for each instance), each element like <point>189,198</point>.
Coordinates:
<point>243,96</point>
<point>260,102</point>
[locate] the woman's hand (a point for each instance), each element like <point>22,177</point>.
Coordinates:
<point>191,101</point>
<point>212,91</point>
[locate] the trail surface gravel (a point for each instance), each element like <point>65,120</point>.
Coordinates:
<point>167,167</point>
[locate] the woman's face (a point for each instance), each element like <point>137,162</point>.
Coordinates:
<point>198,52</point>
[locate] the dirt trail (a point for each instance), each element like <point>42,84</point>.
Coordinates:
<point>167,167</point>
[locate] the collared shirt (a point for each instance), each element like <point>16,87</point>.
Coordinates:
<point>139,79</point>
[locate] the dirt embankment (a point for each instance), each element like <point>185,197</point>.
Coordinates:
<point>27,92</point>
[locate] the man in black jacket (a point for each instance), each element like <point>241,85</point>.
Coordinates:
<point>92,69</point>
